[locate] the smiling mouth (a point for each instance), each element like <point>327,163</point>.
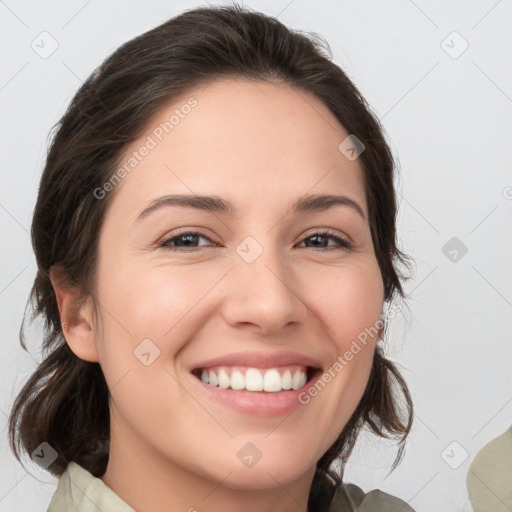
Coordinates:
<point>244,378</point>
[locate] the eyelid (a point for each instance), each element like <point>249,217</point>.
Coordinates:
<point>182,232</point>
<point>329,232</point>
<point>342,239</point>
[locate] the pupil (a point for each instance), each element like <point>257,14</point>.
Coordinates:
<point>186,238</point>
<point>316,237</point>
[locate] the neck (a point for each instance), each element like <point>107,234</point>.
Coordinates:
<point>147,481</point>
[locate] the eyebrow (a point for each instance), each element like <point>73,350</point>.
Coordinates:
<point>304,204</point>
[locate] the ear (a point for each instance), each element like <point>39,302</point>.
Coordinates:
<point>77,319</point>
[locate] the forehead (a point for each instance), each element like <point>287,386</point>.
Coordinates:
<point>264,142</point>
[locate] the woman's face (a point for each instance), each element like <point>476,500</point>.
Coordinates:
<point>260,290</point>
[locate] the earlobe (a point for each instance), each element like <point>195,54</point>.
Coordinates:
<point>76,318</point>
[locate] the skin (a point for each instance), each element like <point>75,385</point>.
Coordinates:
<point>261,146</point>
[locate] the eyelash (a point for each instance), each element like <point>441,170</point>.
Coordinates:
<point>345,244</point>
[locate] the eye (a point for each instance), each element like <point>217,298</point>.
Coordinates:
<point>343,242</point>
<point>189,239</point>
<point>182,240</point>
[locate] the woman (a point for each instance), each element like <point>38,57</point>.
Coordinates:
<point>215,239</point>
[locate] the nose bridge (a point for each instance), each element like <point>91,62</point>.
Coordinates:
<point>259,290</point>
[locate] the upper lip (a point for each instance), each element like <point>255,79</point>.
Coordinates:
<point>259,360</point>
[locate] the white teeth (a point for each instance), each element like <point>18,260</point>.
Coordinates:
<point>237,380</point>
<point>214,381</point>
<point>272,381</point>
<point>255,379</point>
<point>296,380</point>
<point>223,379</point>
<point>286,380</point>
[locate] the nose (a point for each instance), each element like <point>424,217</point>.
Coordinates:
<point>263,295</point>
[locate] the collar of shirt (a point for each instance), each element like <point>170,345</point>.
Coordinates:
<point>80,491</point>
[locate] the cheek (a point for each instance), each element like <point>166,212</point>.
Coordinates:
<point>350,302</point>
<point>144,324</point>
<point>350,306</point>
<point>159,303</point>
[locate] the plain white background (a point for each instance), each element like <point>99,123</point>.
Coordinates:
<point>447,112</point>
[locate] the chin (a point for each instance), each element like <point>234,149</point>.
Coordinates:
<point>270,475</point>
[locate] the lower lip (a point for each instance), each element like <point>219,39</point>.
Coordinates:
<point>259,403</point>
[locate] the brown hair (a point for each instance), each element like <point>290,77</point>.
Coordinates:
<point>65,402</point>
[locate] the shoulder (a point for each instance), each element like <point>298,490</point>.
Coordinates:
<point>80,491</point>
<point>488,477</point>
<point>351,498</point>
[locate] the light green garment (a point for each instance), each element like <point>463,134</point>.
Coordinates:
<point>489,478</point>
<point>350,498</point>
<point>80,491</point>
